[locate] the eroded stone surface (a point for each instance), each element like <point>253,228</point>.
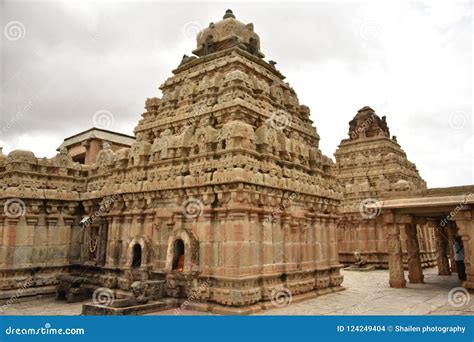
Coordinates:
<point>224,199</point>
<point>366,294</point>
<point>371,165</point>
<point>225,193</point>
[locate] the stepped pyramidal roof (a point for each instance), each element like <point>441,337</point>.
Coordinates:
<point>224,193</point>
<point>370,162</point>
<point>227,103</point>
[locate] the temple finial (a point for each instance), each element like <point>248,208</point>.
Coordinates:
<point>228,14</point>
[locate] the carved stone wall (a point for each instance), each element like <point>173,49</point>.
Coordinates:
<point>370,164</point>
<point>227,160</point>
<point>40,202</point>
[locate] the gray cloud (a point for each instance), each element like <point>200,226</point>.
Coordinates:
<point>411,62</point>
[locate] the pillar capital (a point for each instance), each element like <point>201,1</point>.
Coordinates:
<point>404,219</point>
<point>419,220</point>
<point>466,214</point>
<point>388,216</point>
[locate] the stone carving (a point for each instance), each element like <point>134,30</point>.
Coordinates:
<point>366,124</point>
<point>368,165</point>
<point>138,290</point>
<point>226,33</point>
<point>209,45</point>
<point>208,143</point>
<point>359,259</point>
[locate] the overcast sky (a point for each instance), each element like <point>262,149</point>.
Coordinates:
<point>64,62</point>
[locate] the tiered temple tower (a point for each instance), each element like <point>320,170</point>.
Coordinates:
<point>370,164</point>
<point>225,195</point>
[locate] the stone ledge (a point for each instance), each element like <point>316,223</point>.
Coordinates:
<point>102,310</point>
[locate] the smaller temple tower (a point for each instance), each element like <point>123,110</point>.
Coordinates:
<point>370,164</point>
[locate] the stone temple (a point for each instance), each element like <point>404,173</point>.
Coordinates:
<point>225,194</point>
<point>370,164</point>
<point>221,199</point>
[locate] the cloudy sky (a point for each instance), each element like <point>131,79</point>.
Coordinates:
<point>62,62</point>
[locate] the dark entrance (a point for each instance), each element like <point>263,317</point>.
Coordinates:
<point>178,256</point>
<point>137,256</point>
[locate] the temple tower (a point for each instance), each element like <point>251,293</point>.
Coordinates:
<point>224,197</point>
<point>370,164</point>
<point>229,137</point>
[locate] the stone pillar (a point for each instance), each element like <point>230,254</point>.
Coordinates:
<point>403,239</point>
<point>319,246</point>
<point>217,247</point>
<point>353,232</point>
<point>312,246</point>
<point>359,236</point>
<point>442,249</point>
<point>250,243</point>
<point>395,261</point>
<point>415,271</point>
<point>419,228</point>
<point>103,240</point>
<point>306,245</point>
<point>465,223</point>
<point>111,258</point>
<point>11,240</point>
<point>287,244</point>
<point>432,238</point>
<point>419,236</point>
<point>371,238</point>
<point>451,232</point>
<point>365,235</point>
<point>324,243</point>
<point>333,257</point>
<point>205,243</point>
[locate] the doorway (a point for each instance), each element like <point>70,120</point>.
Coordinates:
<point>178,256</point>
<point>137,256</point>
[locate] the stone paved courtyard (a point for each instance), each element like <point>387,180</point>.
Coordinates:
<point>367,293</point>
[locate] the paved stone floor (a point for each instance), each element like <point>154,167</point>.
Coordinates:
<point>367,293</point>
